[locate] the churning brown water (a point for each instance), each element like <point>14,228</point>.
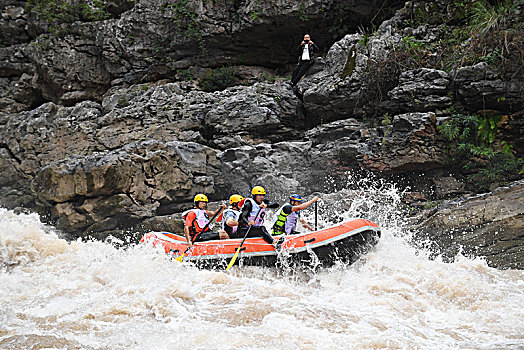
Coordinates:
<point>56,294</point>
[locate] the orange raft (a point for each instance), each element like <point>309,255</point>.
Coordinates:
<point>344,242</point>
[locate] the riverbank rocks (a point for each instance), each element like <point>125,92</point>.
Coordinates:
<point>118,189</point>
<point>482,87</point>
<point>408,142</point>
<point>494,228</point>
<point>132,42</point>
<point>422,90</point>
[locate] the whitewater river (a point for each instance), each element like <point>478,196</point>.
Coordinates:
<point>56,294</point>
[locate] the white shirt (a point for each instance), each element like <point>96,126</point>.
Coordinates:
<point>305,53</point>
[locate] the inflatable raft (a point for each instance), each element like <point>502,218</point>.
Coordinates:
<point>344,242</point>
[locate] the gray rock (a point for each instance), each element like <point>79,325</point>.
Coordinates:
<point>422,90</point>
<point>481,87</point>
<point>490,225</point>
<point>409,144</point>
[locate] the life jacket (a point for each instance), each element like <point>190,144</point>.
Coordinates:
<point>200,221</point>
<point>230,229</point>
<point>254,210</point>
<point>285,223</point>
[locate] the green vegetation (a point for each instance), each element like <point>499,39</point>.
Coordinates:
<point>473,145</point>
<point>257,11</point>
<point>184,19</point>
<point>485,17</point>
<point>273,78</point>
<point>122,102</point>
<point>184,75</point>
<point>302,11</point>
<point>469,32</point>
<point>58,12</point>
<point>218,79</point>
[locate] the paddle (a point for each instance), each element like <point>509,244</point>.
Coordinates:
<point>198,235</point>
<point>316,215</point>
<point>240,247</point>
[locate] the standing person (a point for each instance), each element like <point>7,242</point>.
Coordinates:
<point>231,215</point>
<point>248,216</point>
<point>197,218</point>
<point>306,59</point>
<point>286,218</point>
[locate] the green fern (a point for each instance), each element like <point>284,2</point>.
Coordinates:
<point>486,17</point>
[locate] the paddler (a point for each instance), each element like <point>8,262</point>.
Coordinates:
<point>249,218</point>
<point>196,220</point>
<point>231,215</point>
<point>286,218</point>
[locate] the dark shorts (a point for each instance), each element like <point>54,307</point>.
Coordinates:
<point>208,236</point>
<point>256,231</point>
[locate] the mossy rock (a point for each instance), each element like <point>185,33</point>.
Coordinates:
<point>350,62</point>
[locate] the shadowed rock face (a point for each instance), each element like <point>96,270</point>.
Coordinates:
<point>95,133</point>
<point>147,41</point>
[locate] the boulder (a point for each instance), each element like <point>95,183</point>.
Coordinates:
<point>407,143</point>
<point>422,90</point>
<point>490,225</point>
<point>482,87</point>
<point>126,186</point>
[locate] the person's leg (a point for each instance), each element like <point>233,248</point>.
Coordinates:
<point>296,71</point>
<point>302,71</point>
<point>253,232</point>
<point>256,231</point>
<point>208,236</point>
<point>265,235</point>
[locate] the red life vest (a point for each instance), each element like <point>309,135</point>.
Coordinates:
<point>201,220</point>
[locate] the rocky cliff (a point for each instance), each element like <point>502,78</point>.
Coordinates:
<point>108,123</point>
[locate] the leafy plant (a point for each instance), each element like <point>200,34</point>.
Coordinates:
<point>184,74</point>
<point>302,11</point>
<point>472,144</point>
<point>486,17</point>
<point>58,12</point>
<point>218,79</point>
<point>255,14</point>
<point>184,19</point>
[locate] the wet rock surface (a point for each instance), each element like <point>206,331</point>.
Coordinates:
<point>494,228</point>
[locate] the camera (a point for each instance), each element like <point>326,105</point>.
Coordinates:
<point>306,41</point>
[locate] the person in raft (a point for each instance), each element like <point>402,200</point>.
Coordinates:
<point>231,215</point>
<point>197,218</point>
<point>306,59</point>
<point>249,218</point>
<point>286,218</point>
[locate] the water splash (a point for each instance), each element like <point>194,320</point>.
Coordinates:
<point>92,295</point>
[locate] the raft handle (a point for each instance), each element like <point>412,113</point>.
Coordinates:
<point>174,251</point>
<point>310,240</point>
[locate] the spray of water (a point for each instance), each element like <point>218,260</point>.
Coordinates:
<point>92,295</point>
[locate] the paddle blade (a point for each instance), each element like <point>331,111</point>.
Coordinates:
<point>233,259</point>
<point>179,259</point>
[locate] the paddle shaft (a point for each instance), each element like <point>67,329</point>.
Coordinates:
<point>316,215</point>
<point>241,243</point>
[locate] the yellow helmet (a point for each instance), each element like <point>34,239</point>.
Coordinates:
<point>235,198</point>
<point>258,190</point>
<point>200,198</point>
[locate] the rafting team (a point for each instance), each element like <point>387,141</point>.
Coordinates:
<point>244,216</point>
